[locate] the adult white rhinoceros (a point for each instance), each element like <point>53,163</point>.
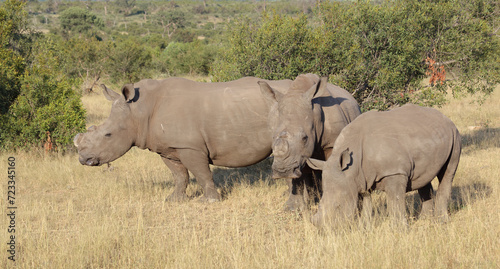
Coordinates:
<point>395,151</point>
<point>189,124</point>
<point>305,122</point>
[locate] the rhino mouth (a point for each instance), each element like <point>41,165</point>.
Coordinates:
<point>280,172</point>
<point>92,161</point>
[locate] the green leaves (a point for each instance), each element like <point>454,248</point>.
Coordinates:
<point>379,52</point>
<point>129,61</point>
<point>37,98</point>
<point>80,20</point>
<point>276,48</point>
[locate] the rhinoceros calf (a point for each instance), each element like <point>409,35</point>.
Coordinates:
<point>305,121</point>
<point>189,124</point>
<point>395,151</point>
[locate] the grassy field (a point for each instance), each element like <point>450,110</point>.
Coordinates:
<point>73,216</point>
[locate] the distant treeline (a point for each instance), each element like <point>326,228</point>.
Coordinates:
<point>381,51</point>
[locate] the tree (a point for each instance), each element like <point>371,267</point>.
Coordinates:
<point>379,52</point>
<point>39,100</point>
<point>277,48</point>
<point>129,61</point>
<point>125,5</point>
<point>15,38</point>
<point>85,59</point>
<point>183,58</point>
<point>80,20</point>
<point>171,20</point>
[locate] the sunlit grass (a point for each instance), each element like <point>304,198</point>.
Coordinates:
<point>74,216</point>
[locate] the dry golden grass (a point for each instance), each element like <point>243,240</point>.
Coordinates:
<point>74,216</point>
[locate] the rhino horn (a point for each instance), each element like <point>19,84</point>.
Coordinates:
<point>76,140</point>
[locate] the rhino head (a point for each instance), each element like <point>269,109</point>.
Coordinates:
<point>110,140</point>
<point>295,122</point>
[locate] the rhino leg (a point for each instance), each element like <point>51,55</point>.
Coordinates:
<point>426,194</point>
<point>366,209</point>
<point>296,191</point>
<point>303,190</point>
<point>445,177</point>
<point>197,162</point>
<point>395,188</point>
<point>181,177</point>
<point>312,180</point>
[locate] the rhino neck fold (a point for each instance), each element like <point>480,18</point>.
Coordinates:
<point>142,134</point>
<point>142,119</point>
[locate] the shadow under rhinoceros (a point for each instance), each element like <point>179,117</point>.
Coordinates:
<point>483,138</point>
<point>461,197</point>
<point>226,178</point>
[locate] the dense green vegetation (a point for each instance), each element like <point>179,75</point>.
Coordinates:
<point>38,103</point>
<point>381,51</point>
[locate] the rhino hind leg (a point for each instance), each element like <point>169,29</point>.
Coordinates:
<point>197,162</point>
<point>181,178</point>
<point>443,192</point>
<point>426,194</point>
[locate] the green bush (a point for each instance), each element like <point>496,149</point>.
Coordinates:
<point>186,58</point>
<point>44,103</point>
<point>380,52</point>
<point>80,20</point>
<point>129,61</point>
<point>277,48</point>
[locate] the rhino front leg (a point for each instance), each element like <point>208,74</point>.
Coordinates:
<point>181,178</point>
<point>197,162</point>
<point>366,209</point>
<point>303,190</point>
<point>296,191</point>
<point>395,188</point>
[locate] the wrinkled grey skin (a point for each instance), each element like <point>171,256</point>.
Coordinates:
<point>305,122</point>
<point>189,124</point>
<point>395,151</point>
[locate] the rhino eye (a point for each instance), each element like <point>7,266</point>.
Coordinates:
<point>107,135</point>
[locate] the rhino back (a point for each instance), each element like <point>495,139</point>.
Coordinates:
<point>227,120</point>
<point>339,109</point>
<point>410,140</point>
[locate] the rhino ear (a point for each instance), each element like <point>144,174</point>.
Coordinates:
<point>315,164</point>
<point>128,92</point>
<point>269,93</point>
<point>345,159</point>
<point>316,90</point>
<point>109,94</point>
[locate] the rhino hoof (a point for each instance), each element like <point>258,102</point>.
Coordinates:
<point>174,197</point>
<point>209,200</point>
<point>295,204</point>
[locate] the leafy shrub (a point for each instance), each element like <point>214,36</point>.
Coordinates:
<point>380,52</point>
<point>275,49</point>
<point>129,61</point>
<point>80,20</point>
<point>186,58</point>
<point>44,103</point>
